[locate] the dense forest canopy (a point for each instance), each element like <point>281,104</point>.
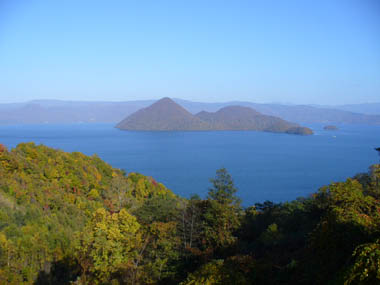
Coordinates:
<point>68,218</point>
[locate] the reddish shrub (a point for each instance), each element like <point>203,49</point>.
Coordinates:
<point>2,148</point>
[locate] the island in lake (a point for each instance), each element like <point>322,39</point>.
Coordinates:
<point>167,115</point>
<point>330,128</point>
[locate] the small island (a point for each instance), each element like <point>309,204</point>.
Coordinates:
<point>330,128</point>
<point>304,131</point>
<point>167,115</point>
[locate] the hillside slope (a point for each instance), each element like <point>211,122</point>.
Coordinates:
<point>163,115</point>
<point>68,218</point>
<point>243,118</point>
<point>47,197</point>
<point>166,115</point>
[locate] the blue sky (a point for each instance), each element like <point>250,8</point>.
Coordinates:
<point>304,52</point>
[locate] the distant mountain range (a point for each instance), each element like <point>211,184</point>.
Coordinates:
<point>55,111</point>
<point>167,115</point>
<point>366,108</point>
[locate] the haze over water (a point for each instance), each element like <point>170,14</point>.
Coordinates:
<point>264,166</point>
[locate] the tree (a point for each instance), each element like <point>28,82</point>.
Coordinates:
<point>233,270</point>
<point>366,269</point>
<point>190,222</point>
<point>159,253</point>
<point>107,244</point>
<point>223,189</point>
<point>220,213</point>
<point>119,187</point>
<point>157,209</point>
<point>350,219</point>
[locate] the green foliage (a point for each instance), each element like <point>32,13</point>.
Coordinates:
<point>221,211</point>
<point>219,222</point>
<point>366,267</point>
<point>158,209</point>
<point>208,274</point>
<point>46,196</point>
<point>160,255</point>
<point>223,190</point>
<point>271,236</point>
<point>208,226</point>
<point>234,270</point>
<point>107,243</point>
<point>70,218</point>
<point>190,226</point>
<point>350,219</point>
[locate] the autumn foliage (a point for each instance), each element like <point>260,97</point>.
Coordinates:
<point>68,218</point>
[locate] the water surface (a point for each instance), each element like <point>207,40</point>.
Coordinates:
<point>264,166</point>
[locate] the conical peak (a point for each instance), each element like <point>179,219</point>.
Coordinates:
<point>165,100</point>
<point>165,114</point>
<point>167,105</point>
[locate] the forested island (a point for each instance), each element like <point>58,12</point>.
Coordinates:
<point>167,115</point>
<point>68,218</point>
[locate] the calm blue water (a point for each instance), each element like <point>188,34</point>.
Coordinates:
<point>264,166</point>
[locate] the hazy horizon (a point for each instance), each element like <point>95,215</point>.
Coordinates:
<point>293,52</point>
<point>176,98</point>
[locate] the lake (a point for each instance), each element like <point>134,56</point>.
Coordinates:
<point>264,166</point>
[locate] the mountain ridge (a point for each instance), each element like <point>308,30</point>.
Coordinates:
<point>166,115</point>
<point>56,111</point>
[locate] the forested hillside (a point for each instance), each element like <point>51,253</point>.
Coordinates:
<point>67,218</point>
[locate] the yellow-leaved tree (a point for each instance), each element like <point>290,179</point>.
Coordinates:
<point>108,243</point>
